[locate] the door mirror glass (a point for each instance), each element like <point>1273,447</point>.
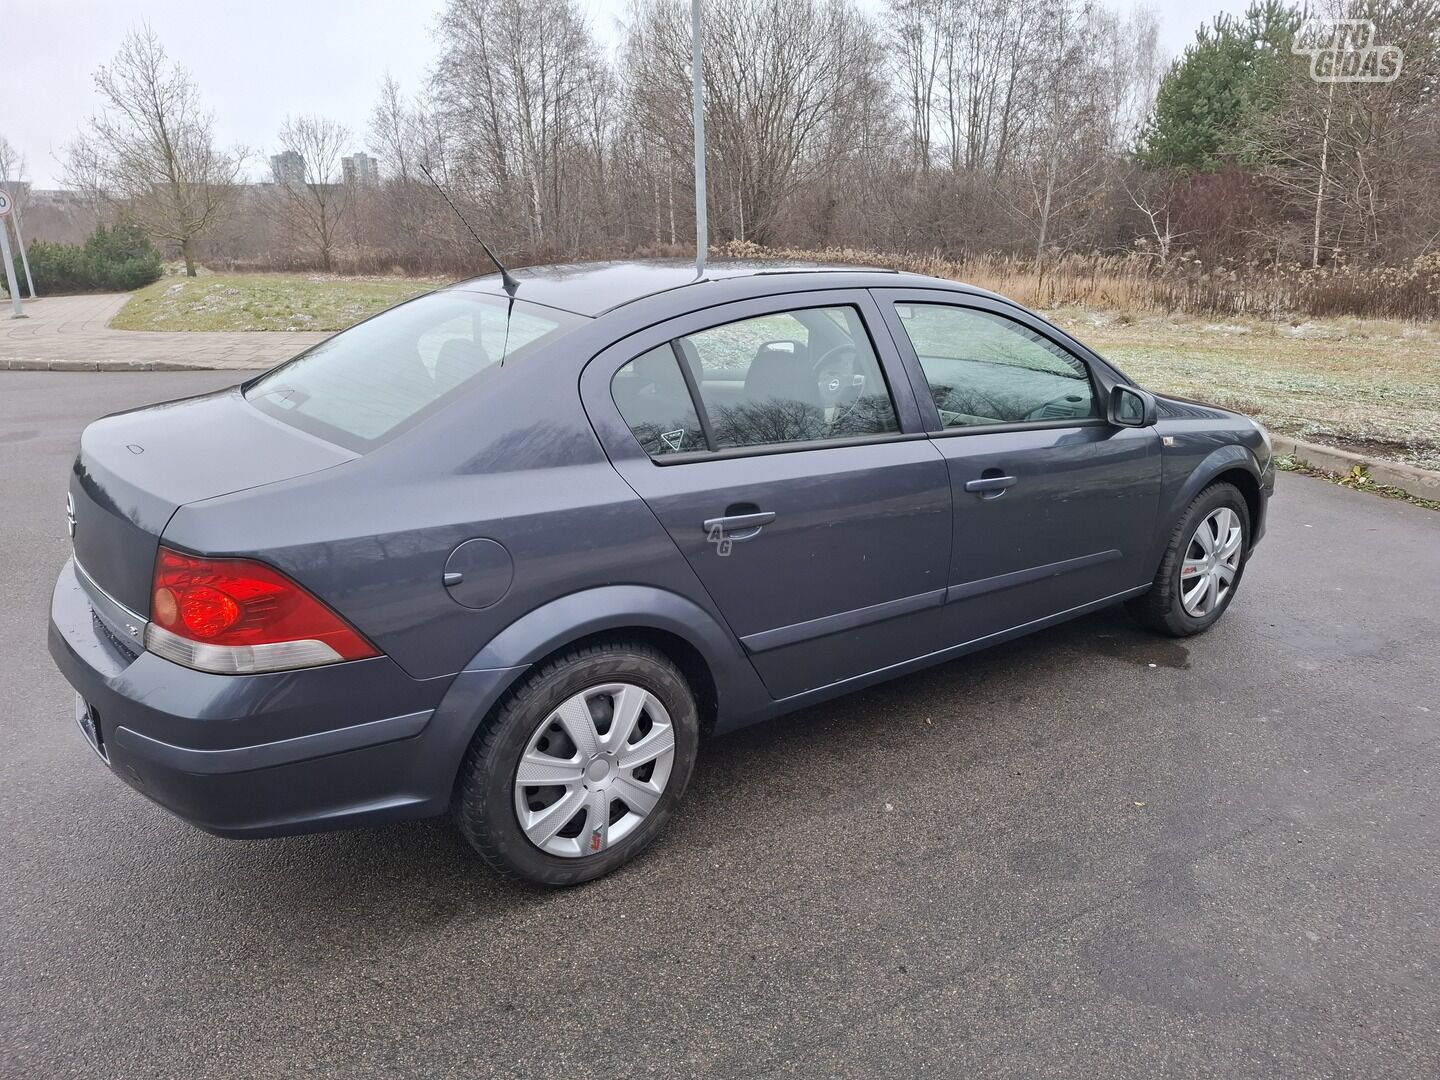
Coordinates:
<point>1131,407</point>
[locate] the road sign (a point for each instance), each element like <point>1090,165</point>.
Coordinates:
<point>24,258</point>
<point>6,205</point>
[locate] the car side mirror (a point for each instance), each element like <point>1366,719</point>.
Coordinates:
<point>1132,407</point>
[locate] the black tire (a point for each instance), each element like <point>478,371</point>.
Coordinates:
<point>1160,609</point>
<point>484,806</point>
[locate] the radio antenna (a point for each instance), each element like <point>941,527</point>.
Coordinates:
<point>505,278</point>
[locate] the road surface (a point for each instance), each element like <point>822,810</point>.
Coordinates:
<point>1091,853</point>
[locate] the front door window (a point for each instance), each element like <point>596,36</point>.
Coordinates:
<point>985,369</point>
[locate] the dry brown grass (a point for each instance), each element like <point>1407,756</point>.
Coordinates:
<point>1138,284</point>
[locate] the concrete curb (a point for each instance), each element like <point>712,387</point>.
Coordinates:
<point>20,364</point>
<point>1421,483</point>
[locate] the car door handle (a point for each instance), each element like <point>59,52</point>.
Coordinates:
<point>738,526</point>
<point>989,483</point>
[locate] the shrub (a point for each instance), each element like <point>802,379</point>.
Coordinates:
<point>116,259</point>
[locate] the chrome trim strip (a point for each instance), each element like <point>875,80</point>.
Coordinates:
<point>845,620</point>
<point>124,622</point>
<point>1024,577</point>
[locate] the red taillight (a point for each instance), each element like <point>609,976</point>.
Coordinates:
<point>243,616</point>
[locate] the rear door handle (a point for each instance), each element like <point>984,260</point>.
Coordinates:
<point>989,483</point>
<point>738,526</point>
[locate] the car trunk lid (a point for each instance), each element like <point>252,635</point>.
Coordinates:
<point>136,468</point>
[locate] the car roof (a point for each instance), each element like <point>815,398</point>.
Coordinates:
<point>598,287</point>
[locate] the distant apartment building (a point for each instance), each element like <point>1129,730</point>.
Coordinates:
<point>53,214</point>
<point>58,199</point>
<point>360,169</point>
<point>27,197</point>
<point>287,167</point>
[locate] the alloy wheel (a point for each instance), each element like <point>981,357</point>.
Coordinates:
<point>1212,559</point>
<point>594,769</point>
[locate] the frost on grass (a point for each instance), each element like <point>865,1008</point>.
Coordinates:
<point>1369,385</point>
<point>264,302</point>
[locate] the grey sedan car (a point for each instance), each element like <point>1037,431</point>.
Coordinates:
<point>510,552</point>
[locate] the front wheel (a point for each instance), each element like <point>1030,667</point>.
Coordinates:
<point>581,766</point>
<point>1202,566</point>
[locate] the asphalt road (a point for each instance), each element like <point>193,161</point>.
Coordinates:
<point>1091,853</point>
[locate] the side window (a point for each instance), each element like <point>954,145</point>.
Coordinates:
<point>651,395</point>
<point>986,369</point>
<point>794,376</point>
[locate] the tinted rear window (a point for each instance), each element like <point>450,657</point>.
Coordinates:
<point>375,379</point>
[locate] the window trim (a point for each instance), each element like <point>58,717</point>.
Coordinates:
<point>1100,375</point>
<point>866,310</point>
<point>702,414</point>
<point>726,453</point>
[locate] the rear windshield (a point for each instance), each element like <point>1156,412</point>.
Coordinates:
<point>383,375</point>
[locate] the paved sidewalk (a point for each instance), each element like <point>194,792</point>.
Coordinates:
<point>69,333</point>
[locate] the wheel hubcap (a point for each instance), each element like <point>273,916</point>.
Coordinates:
<point>594,769</point>
<point>1212,559</point>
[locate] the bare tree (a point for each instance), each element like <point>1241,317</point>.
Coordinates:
<point>1152,196</point>
<point>392,130</point>
<point>313,202</point>
<point>152,149</point>
<point>918,31</point>
<point>1355,159</point>
<point>12,164</point>
<point>991,47</point>
<point>516,86</point>
<point>955,126</point>
<point>789,84</point>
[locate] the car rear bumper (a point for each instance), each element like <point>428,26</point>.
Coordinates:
<point>261,755</point>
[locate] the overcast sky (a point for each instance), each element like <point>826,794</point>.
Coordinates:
<point>259,61</point>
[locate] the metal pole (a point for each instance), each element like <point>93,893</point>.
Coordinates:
<point>697,80</point>
<point>10,270</point>
<point>20,243</point>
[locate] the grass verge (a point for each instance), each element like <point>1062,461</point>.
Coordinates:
<point>1367,385</point>
<point>263,302</point>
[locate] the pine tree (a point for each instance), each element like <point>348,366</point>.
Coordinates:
<point>1205,99</point>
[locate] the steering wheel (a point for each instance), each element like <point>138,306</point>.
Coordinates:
<point>1070,403</point>
<point>839,384</point>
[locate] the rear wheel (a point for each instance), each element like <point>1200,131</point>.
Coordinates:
<point>1202,566</point>
<point>581,766</point>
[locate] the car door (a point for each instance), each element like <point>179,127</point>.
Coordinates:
<point>779,443</point>
<point>1054,506</point>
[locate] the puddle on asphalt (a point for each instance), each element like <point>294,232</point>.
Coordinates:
<point>1162,652</point>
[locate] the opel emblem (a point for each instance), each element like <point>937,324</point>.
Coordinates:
<point>70,514</point>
